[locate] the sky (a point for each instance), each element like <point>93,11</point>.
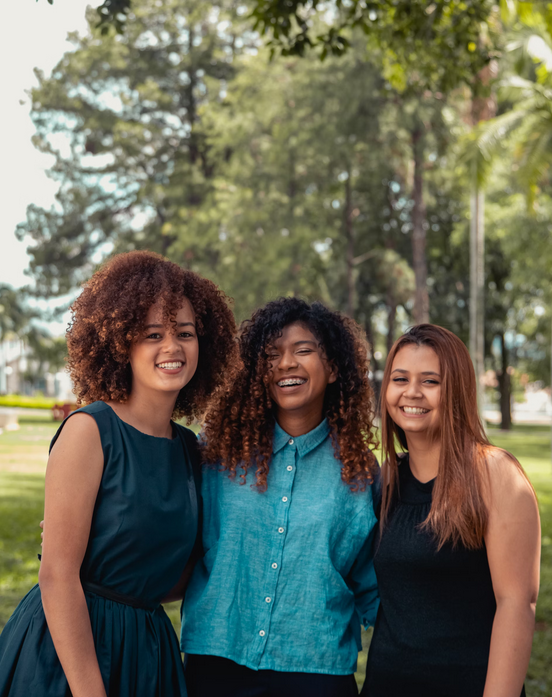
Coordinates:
<point>32,34</point>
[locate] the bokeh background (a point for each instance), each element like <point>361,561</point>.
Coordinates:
<point>391,159</point>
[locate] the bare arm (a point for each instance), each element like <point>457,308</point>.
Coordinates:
<point>513,549</point>
<point>72,480</point>
<point>177,592</point>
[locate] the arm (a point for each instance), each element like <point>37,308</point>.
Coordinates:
<point>363,582</point>
<point>513,550</point>
<point>72,480</point>
<point>178,591</point>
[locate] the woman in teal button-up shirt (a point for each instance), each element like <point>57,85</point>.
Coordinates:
<point>275,606</point>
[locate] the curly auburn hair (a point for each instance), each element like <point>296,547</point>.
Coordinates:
<point>239,427</point>
<point>109,314</point>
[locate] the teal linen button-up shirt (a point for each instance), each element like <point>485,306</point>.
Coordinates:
<point>287,577</point>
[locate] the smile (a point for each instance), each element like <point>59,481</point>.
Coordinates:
<point>173,365</point>
<point>415,411</point>
<point>291,382</point>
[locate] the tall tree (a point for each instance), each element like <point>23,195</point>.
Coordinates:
<point>120,115</point>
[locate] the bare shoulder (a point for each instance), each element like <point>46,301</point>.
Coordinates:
<point>508,484</point>
<point>80,433</point>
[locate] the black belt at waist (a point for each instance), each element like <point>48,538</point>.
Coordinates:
<point>117,597</point>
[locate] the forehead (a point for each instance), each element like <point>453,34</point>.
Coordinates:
<point>414,358</point>
<point>185,313</point>
<point>294,333</point>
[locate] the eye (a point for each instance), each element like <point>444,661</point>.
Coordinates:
<point>153,335</point>
<point>399,380</point>
<point>304,351</point>
<point>432,382</point>
<point>186,335</point>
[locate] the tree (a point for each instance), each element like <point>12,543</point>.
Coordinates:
<point>439,41</point>
<point>14,311</point>
<point>120,115</point>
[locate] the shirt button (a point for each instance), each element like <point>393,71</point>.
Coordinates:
<point>280,530</point>
<point>267,600</point>
<point>274,566</point>
<point>289,468</point>
<point>262,632</point>
<point>284,499</point>
<point>290,441</point>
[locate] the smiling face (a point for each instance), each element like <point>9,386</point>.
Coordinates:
<point>165,356</point>
<point>300,373</point>
<point>413,395</point>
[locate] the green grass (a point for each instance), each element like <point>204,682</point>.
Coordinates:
<point>23,457</point>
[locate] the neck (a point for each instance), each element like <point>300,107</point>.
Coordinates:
<point>150,413</point>
<point>299,423</point>
<point>424,452</point>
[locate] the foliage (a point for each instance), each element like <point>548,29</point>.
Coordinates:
<point>15,314</point>
<point>444,42</point>
<point>17,400</point>
<point>120,115</point>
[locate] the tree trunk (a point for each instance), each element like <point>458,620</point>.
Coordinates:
<point>374,364</point>
<point>391,323</point>
<point>349,235</point>
<point>421,300</point>
<point>505,389</point>
<point>477,285</point>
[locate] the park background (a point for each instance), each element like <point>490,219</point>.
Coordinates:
<point>388,158</point>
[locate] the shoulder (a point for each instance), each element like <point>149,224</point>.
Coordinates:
<point>189,436</point>
<point>86,423</point>
<point>95,408</point>
<point>508,484</point>
<point>191,441</point>
<point>80,435</point>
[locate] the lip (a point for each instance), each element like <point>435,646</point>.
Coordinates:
<point>413,416</point>
<point>291,389</point>
<point>171,371</point>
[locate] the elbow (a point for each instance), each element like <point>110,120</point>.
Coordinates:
<point>524,608</point>
<point>52,578</point>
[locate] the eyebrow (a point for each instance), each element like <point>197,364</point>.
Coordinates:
<point>425,372</point>
<point>296,343</point>
<point>160,326</point>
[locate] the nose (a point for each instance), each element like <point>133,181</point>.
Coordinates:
<point>412,390</point>
<point>170,344</point>
<point>288,360</point>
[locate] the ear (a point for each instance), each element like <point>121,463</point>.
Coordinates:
<point>333,373</point>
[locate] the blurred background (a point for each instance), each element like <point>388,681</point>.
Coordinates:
<point>391,159</point>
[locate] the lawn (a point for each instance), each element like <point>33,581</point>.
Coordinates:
<point>23,457</point>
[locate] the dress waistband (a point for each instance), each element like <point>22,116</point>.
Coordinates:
<point>117,597</point>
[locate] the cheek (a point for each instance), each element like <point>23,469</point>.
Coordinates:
<point>436,401</point>
<point>392,395</point>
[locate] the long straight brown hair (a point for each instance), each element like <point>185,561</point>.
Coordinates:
<point>458,511</point>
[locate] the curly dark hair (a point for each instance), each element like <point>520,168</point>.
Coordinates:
<point>109,315</point>
<point>239,426</point>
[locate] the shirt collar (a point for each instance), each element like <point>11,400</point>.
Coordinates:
<point>304,443</point>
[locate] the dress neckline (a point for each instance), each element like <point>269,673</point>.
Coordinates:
<point>146,435</point>
<point>426,487</point>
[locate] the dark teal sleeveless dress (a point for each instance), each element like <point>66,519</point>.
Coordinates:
<point>144,527</point>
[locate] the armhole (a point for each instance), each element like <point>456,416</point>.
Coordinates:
<point>78,411</point>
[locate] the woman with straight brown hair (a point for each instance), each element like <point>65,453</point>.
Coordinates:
<point>458,556</point>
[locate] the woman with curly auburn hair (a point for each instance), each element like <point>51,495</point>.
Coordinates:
<point>458,557</point>
<point>274,608</point>
<point>148,342</point>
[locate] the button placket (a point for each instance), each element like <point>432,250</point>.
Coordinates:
<point>276,564</point>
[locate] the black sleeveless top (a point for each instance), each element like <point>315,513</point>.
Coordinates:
<point>433,629</point>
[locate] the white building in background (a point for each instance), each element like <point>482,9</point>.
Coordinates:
<point>15,362</point>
